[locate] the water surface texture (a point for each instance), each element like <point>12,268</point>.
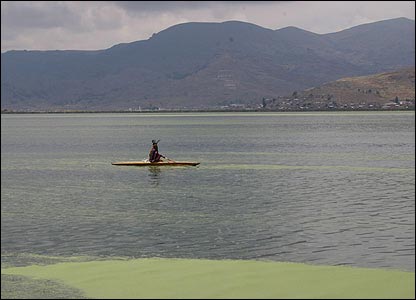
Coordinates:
<point>322,188</point>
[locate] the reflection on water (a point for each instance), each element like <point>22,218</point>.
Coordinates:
<point>154,175</point>
<point>331,188</point>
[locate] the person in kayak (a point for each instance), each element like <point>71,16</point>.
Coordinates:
<point>154,155</point>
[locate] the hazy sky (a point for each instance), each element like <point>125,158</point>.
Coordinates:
<point>85,25</point>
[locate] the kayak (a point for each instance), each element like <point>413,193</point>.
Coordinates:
<point>160,163</point>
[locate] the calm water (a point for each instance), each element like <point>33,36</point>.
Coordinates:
<point>322,188</point>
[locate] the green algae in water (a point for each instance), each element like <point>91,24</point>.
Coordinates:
<point>287,167</point>
<point>191,278</point>
<point>20,287</point>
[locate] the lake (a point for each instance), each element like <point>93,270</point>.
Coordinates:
<point>332,188</point>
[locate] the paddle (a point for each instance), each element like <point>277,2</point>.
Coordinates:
<point>169,159</point>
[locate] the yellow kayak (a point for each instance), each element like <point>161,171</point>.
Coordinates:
<point>160,163</point>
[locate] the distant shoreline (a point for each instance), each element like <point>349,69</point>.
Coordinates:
<point>197,111</point>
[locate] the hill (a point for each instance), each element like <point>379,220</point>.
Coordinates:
<point>202,65</point>
<point>385,90</point>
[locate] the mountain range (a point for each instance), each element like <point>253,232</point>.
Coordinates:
<point>202,65</point>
